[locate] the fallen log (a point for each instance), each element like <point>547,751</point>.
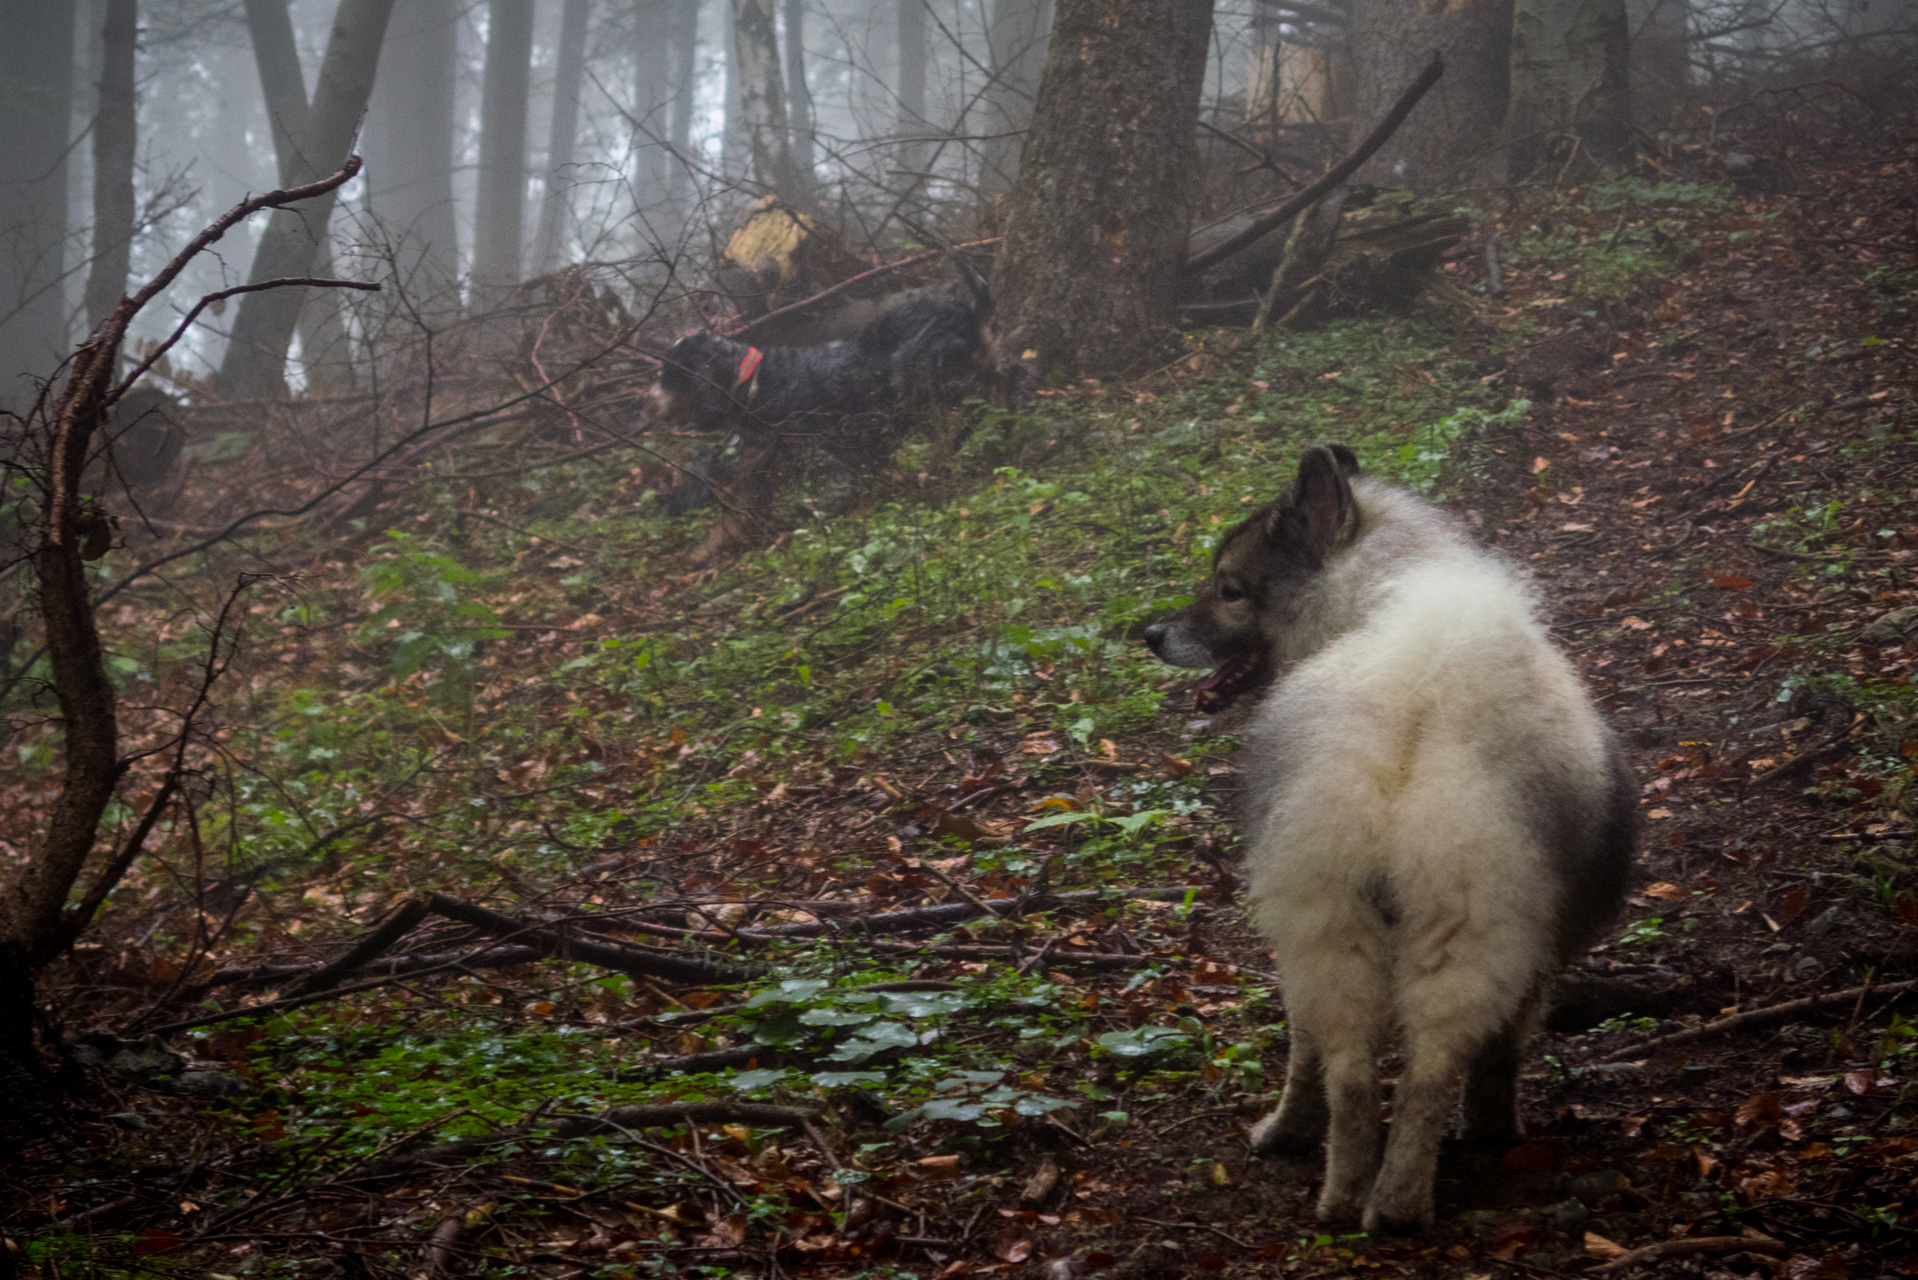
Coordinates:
<point>1265,224</point>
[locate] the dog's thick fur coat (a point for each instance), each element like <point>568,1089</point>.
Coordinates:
<point>1437,820</point>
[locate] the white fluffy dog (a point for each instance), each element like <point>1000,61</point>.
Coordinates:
<point>1437,820</point>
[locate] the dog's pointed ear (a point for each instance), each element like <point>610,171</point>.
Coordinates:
<point>1323,496</point>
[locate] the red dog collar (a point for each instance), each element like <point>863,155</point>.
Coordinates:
<point>749,370</point>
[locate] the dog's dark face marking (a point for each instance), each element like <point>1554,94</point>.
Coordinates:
<point>1257,573</point>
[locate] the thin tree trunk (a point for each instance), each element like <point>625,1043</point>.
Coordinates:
<point>1096,227</point>
<point>762,104</point>
<point>910,88</point>
<point>255,363</point>
<point>1455,130</point>
<point>409,152</point>
<point>652,101</point>
<point>798,93</point>
<point>282,79</point>
<point>113,145</point>
<point>1568,83</point>
<point>36,90</point>
<point>1660,58</point>
<point>685,51</point>
<point>567,75</point>
<point>1016,35</point>
<point>499,219</point>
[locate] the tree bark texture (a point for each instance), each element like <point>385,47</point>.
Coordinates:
<point>499,218</point>
<point>652,100</point>
<point>762,104</point>
<point>570,70</point>
<point>1569,83</point>
<point>1016,37</point>
<point>113,146</point>
<point>798,93</point>
<point>685,52</point>
<point>36,90</point>
<point>1096,226</point>
<point>409,151</point>
<point>255,363</point>
<point>1455,130</point>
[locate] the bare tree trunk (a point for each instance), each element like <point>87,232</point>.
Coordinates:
<point>652,100</point>
<point>1569,83</point>
<point>1455,129</point>
<point>36,91</point>
<point>282,79</point>
<point>798,93</point>
<point>685,50</point>
<point>1016,34</point>
<point>762,104</point>
<point>567,75</point>
<point>1660,58</point>
<point>1096,226</point>
<point>409,151</point>
<point>113,145</point>
<point>255,363</point>
<point>910,87</point>
<point>499,219</point>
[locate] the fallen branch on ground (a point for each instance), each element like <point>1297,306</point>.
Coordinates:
<point>1687,1247</point>
<point>1772,1013</point>
<point>658,1116</point>
<point>558,943</point>
<point>1339,172</point>
<point>958,912</point>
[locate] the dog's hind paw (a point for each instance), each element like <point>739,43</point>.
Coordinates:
<point>1396,1219</point>
<point>1274,1139</point>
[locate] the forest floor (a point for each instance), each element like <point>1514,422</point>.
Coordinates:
<point>1691,418</point>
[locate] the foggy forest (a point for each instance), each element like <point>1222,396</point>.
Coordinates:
<point>655,638</point>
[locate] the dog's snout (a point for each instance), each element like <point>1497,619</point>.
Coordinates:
<point>1155,637</point>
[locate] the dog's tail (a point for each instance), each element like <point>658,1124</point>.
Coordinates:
<point>975,283</point>
<point>981,291</point>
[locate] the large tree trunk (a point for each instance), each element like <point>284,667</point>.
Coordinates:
<point>685,51</point>
<point>1016,35</point>
<point>567,75</point>
<point>113,145</point>
<point>36,95</point>
<point>1096,226</point>
<point>1455,130</point>
<point>1569,83</point>
<point>255,363</point>
<point>798,92</point>
<point>652,101</point>
<point>499,219</point>
<point>409,152</point>
<point>762,104</point>
<point>910,88</point>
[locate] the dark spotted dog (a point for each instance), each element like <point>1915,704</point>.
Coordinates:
<point>848,396</point>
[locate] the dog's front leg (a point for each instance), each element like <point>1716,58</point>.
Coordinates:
<point>1352,1146</point>
<point>1297,1128</point>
